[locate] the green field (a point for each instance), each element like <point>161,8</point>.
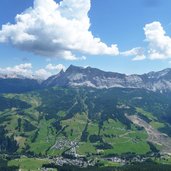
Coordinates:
<point>47,122</point>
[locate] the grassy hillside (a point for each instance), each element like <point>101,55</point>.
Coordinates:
<point>87,122</point>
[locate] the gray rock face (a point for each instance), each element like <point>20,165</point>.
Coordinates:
<point>92,77</point>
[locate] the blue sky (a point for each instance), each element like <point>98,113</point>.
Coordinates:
<point>120,22</point>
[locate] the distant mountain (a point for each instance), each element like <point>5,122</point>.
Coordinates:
<point>18,85</point>
<point>12,76</point>
<point>88,77</point>
<point>91,77</point>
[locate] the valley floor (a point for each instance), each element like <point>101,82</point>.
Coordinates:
<point>162,163</point>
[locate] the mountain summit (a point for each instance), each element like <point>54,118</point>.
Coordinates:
<point>91,77</point>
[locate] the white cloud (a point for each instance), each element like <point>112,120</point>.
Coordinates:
<point>139,58</point>
<point>56,29</point>
<point>42,74</point>
<point>159,44</point>
<point>58,67</point>
<point>22,69</point>
<point>138,52</point>
<point>133,52</point>
<point>26,70</point>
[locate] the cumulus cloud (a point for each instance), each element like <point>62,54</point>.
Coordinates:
<point>159,44</point>
<point>56,30</point>
<point>26,70</point>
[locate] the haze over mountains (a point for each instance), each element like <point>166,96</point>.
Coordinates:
<point>91,77</point>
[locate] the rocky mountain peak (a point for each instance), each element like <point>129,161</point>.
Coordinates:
<point>73,68</point>
<point>92,77</point>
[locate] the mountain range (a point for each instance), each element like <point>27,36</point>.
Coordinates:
<point>86,117</point>
<point>95,78</point>
<point>90,77</point>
